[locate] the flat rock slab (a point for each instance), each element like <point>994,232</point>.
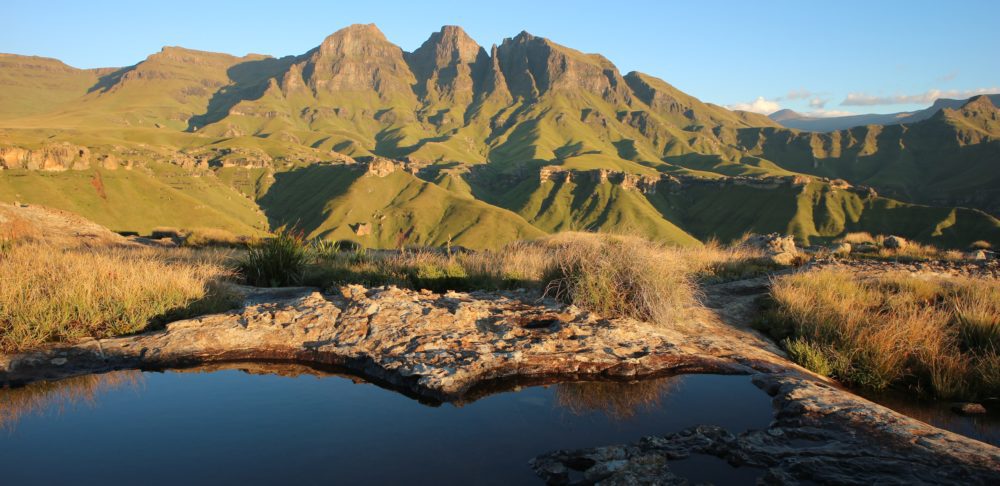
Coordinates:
<point>445,346</point>
<point>434,345</point>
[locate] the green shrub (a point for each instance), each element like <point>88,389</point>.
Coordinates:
<point>324,249</point>
<point>276,262</point>
<point>808,355</point>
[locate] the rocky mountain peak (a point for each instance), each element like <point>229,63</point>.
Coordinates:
<point>357,58</point>
<point>448,66</point>
<point>443,50</point>
<point>535,65</point>
<point>353,39</point>
<point>981,102</point>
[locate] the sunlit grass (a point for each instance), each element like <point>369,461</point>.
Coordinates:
<point>932,333</point>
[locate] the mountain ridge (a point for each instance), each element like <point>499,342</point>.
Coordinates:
<point>481,127</point>
<point>792,119</point>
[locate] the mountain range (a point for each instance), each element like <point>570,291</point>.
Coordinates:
<point>792,119</point>
<point>358,139</point>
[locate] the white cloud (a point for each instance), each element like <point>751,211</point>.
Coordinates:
<point>759,105</point>
<point>798,94</point>
<point>862,99</point>
<point>818,103</point>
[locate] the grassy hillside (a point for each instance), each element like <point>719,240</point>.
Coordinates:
<point>817,213</point>
<point>132,200</point>
<point>593,206</point>
<point>345,203</point>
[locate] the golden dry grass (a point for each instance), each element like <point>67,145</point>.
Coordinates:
<point>614,275</point>
<point>48,294</point>
<point>858,238</point>
<point>618,400</point>
<point>202,237</point>
<point>932,333</point>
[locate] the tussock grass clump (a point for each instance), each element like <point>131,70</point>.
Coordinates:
<point>49,294</point>
<point>620,276</point>
<point>203,237</point>
<point>931,333</point>
<point>276,262</point>
<point>910,252</point>
<point>617,276</point>
<point>165,232</point>
<point>858,238</point>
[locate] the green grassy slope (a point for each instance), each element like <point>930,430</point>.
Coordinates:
<point>817,213</point>
<point>592,206</point>
<point>399,209</point>
<point>131,200</point>
<point>952,158</point>
<point>32,85</point>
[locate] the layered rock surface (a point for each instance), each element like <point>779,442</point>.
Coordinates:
<point>436,345</point>
<point>820,435</point>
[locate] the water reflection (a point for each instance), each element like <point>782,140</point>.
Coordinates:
<point>985,427</point>
<point>245,424</point>
<point>617,400</point>
<point>58,396</point>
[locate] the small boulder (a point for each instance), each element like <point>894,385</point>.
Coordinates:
<point>977,255</point>
<point>842,249</point>
<point>362,229</point>
<point>773,243</point>
<point>864,248</point>
<point>968,408</point>
<point>785,259</point>
<point>894,243</point>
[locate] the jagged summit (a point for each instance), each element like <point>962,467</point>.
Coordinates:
<point>448,66</point>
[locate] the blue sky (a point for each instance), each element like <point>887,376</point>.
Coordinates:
<point>824,57</point>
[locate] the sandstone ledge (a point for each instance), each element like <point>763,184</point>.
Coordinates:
<point>433,345</point>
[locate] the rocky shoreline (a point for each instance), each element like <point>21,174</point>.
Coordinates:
<point>452,346</point>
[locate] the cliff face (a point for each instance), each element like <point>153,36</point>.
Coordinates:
<point>534,66</point>
<point>53,157</point>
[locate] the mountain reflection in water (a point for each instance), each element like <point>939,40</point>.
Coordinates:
<point>287,424</point>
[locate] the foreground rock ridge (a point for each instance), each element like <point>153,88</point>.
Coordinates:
<point>452,346</point>
<point>433,345</point>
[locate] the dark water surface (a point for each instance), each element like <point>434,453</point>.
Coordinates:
<point>227,427</point>
<point>982,427</point>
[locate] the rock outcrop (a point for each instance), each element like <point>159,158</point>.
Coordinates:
<point>434,345</point>
<point>779,248</point>
<point>50,157</point>
<point>820,435</point>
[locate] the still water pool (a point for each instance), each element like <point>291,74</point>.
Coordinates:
<point>231,427</point>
